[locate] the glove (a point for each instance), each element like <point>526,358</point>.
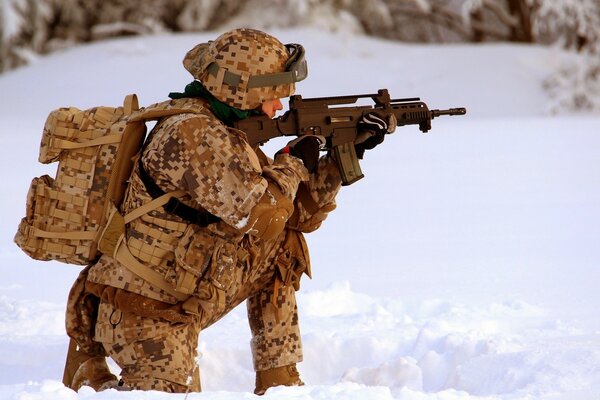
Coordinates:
<point>305,148</point>
<point>372,129</point>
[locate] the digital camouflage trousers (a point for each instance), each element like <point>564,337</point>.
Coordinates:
<point>156,354</point>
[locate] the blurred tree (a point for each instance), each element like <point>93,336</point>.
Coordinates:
<point>521,31</point>
<point>41,26</point>
<point>576,26</point>
<point>30,27</point>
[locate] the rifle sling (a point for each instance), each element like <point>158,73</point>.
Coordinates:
<point>174,205</point>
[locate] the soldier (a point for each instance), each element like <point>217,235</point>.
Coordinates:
<point>235,235</point>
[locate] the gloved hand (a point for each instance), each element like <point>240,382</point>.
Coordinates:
<point>372,129</point>
<point>305,148</point>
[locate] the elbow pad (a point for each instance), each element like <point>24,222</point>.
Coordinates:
<point>269,216</point>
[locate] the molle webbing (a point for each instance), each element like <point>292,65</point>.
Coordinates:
<point>174,205</point>
<point>94,149</point>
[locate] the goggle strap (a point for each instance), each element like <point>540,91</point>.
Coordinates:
<point>281,78</point>
<point>229,77</point>
<point>266,80</point>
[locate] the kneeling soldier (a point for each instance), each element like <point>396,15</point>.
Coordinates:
<point>234,235</point>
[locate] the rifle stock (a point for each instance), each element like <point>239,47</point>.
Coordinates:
<point>338,124</point>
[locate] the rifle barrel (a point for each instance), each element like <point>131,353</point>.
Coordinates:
<point>450,111</point>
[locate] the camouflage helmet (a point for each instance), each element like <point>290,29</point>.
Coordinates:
<point>245,67</point>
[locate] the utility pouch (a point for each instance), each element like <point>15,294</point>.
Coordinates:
<point>222,273</point>
<point>94,149</point>
<point>293,260</point>
<point>192,258</point>
<point>219,256</point>
<point>52,227</point>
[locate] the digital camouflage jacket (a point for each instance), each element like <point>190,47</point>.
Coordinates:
<point>219,265</point>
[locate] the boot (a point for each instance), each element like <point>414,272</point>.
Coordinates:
<point>81,369</point>
<point>287,376</point>
<point>94,372</point>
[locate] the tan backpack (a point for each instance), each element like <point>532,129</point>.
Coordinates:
<point>96,150</point>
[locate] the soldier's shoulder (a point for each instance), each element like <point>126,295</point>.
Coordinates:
<point>192,113</point>
<point>198,123</point>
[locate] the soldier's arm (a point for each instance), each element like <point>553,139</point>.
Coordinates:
<point>223,175</point>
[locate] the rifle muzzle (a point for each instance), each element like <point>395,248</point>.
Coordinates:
<point>450,111</point>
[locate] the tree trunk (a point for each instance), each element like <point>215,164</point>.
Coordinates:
<point>523,31</point>
<point>477,18</point>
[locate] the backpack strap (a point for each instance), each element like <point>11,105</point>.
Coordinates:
<point>174,205</point>
<point>64,144</point>
<point>112,242</point>
<point>169,201</point>
<point>124,256</point>
<point>130,104</point>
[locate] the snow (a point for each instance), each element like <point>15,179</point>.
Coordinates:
<point>463,266</point>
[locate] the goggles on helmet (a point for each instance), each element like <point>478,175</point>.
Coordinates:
<point>296,70</point>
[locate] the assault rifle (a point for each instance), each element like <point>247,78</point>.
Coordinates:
<point>338,124</point>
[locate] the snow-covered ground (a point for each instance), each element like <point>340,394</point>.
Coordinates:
<point>464,266</point>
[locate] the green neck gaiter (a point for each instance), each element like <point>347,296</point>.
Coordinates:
<point>224,112</point>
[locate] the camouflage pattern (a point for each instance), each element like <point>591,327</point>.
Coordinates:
<point>322,188</point>
<point>245,52</point>
<point>75,200</point>
<point>273,318</point>
<point>132,340</point>
<point>64,215</point>
<point>222,174</point>
<point>152,354</point>
<point>198,154</point>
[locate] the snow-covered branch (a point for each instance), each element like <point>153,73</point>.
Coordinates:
<point>31,27</point>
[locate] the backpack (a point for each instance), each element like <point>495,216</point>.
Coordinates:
<point>96,150</point>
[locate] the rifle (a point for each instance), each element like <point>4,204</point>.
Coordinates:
<point>325,117</point>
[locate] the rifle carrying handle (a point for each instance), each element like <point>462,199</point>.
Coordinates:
<point>345,154</point>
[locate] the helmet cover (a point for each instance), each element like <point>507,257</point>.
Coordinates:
<point>228,65</point>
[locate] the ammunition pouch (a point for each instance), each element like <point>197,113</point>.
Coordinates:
<point>212,296</point>
<point>293,260</point>
<point>192,257</point>
<point>112,242</point>
<point>50,233</point>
